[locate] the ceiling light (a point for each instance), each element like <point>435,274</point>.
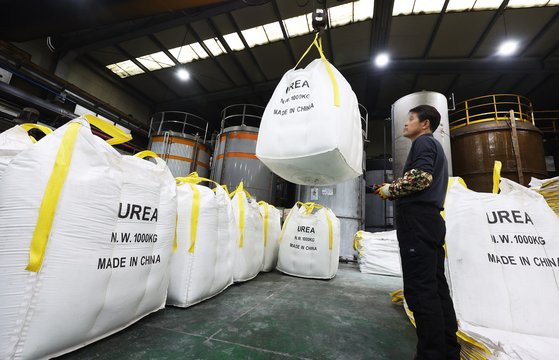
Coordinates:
<point>382,60</point>
<point>183,74</point>
<point>508,48</point>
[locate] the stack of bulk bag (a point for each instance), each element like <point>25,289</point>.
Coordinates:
<point>379,253</point>
<point>15,140</point>
<point>202,265</point>
<point>310,132</point>
<point>549,189</point>
<point>87,236</point>
<point>310,242</point>
<point>249,247</point>
<point>504,271</point>
<point>272,232</point>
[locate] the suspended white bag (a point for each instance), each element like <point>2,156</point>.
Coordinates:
<point>15,140</point>
<point>379,252</point>
<point>310,132</point>
<point>272,232</point>
<point>249,247</point>
<point>310,242</point>
<point>202,265</point>
<point>87,236</point>
<point>504,270</point>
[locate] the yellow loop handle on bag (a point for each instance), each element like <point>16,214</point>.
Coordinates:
<point>496,176</point>
<point>146,153</point>
<point>28,126</point>
<point>309,208</point>
<point>265,206</point>
<point>194,178</point>
<point>118,136</point>
<point>317,42</point>
<point>52,193</point>
<point>240,189</point>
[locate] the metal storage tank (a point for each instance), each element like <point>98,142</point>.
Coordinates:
<point>180,138</point>
<point>347,201</point>
<point>234,156</point>
<point>400,110</point>
<point>482,132</point>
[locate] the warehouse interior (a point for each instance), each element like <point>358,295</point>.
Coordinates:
<point>200,74</point>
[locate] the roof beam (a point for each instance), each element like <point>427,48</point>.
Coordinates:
<point>145,69</point>
<point>540,33</point>
<point>551,52</point>
<point>435,30</point>
<point>212,57</point>
<point>230,52</point>
<point>177,63</point>
<point>285,36</point>
<point>245,44</point>
<point>488,28</point>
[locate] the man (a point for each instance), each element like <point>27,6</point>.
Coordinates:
<point>419,197</point>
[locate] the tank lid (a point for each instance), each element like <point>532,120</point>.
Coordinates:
<point>250,129</point>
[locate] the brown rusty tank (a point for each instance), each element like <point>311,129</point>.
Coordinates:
<point>481,137</point>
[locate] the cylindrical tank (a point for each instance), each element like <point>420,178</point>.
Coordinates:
<point>180,139</point>
<point>234,156</point>
<point>346,200</point>
<point>400,110</point>
<point>481,131</point>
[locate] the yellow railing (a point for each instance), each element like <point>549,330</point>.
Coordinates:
<point>491,108</point>
<point>547,120</point>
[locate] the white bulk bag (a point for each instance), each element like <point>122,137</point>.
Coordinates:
<point>202,265</point>
<point>504,270</point>
<point>87,236</point>
<point>249,248</point>
<point>15,140</point>
<point>310,242</point>
<point>272,232</point>
<point>379,252</point>
<point>310,132</point>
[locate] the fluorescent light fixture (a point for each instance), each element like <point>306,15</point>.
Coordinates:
<point>273,31</point>
<point>183,74</point>
<point>508,48</point>
<point>184,54</point>
<point>403,7</point>
<point>215,46</point>
<point>363,10</point>
<point>255,36</point>
<point>234,41</point>
<point>382,59</point>
<point>527,3</point>
<point>460,5</point>
<point>297,25</point>
<point>340,15</point>
<point>428,6</point>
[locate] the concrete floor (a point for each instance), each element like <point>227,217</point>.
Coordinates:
<point>274,316</point>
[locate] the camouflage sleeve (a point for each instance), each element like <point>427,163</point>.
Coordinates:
<point>412,182</point>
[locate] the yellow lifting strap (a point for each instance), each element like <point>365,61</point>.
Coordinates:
<point>28,126</point>
<point>265,206</point>
<point>175,245</point>
<point>241,190</point>
<point>194,216</point>
<point>146,153</point>
<point>118,136</point>
<point>496,176</point>
<point>194,178</point>
<point>317,42</point>
<point>358,242</point>
<point>52,193</point>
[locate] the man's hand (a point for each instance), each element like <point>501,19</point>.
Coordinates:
<point>383,190</point>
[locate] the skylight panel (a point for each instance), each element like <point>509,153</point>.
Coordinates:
<point>199,50</point>
<point>297,25</point>
<point>363,10</point>
<point>526,3</point>
<point>273,31</point>
<point>125,68</point>
<point>162,59</point>
<point>428,6</point>
<point>460,5</point>
<point>184,54</point>
<point>255,36</point>
<point>155,61</point>
<point>487,4</point>
<point>340,15</point>
<point>403,7</point>
<point>117,70</point>
<point>215,46</point>
<point>234,41</point>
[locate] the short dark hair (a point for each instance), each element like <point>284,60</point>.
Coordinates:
<point>428,112</point>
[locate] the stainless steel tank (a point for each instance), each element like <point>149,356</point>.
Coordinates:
<point>400,110</point>
<point>346,200</point>
<point>234,156</point>
<point>180,138</point>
